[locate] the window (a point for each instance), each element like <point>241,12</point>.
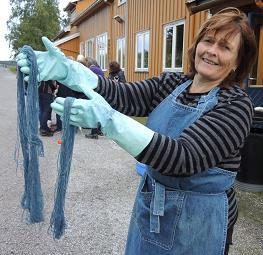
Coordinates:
<point>121,52</point>
<point>122,2</point>
<point>173,47</point>
<point>89,48</point>
<point>142,51</point>
<point>82,48</point>
<point>101,50</point>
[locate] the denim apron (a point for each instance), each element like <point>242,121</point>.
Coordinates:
<point>180,215</point>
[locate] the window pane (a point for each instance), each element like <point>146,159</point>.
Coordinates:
<point>105,60</point>
<point>119,50</point>
<point>101,47</point>
<point>119,55</point>
<point>146,50</point>
<point>169,47</point>
<point>139,51</point>
<point>101,61</point>
<point>82,48</point>
<point>179,46</point>
<point>123,54</point>
<point>89,49</point>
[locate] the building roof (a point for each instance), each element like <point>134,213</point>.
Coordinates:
<point>195,6</point>
<point>62,33</point>
<point>70,6</point>
<point>66,39</point>
<point>94,7</point>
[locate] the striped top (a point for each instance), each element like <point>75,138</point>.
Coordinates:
<point>214,140</point>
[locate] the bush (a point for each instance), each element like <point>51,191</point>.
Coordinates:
<point>12,69</point>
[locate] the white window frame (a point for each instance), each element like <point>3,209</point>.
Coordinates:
<point>174,25</point>
<point>121,42</point>
<point>82,48</point>
<point>120,2</point>
<point>104,38</point>
<point>87,50</point>
<point>142,69</point>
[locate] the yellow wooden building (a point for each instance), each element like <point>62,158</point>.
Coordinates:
<point>147,37</point>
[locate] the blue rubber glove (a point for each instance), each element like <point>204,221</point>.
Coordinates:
<point>126,132</point>
<point>54,65</point>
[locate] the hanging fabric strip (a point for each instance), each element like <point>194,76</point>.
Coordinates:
<point>57,221</point>
<point>32,147</point>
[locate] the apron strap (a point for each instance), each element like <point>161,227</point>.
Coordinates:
<point>157,206</point>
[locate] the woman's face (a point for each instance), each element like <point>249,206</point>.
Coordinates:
<point>216,56</point>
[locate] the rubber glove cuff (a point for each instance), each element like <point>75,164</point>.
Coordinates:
<point>128,133</point>
<point>79,76</point>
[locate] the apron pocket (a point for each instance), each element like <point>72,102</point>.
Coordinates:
<point>142,215</point>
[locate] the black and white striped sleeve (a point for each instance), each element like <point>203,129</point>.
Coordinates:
<point>132,98</point>
<point>215,137</point>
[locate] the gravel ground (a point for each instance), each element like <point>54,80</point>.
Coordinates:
<point>99,199</point>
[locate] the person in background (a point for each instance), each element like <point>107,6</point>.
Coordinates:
<point>95,68</point>
<point>63,91</point>
<point>46,96</point>
<point>115,72</point>
<point>93,65</point>
<point>81,59</point>
<point>197,125</point>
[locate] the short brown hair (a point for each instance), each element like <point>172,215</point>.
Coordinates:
<point>233,21</point>
<point>114,67</point>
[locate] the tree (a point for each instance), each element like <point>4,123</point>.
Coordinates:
<point>65,20</point>
<point>30,20</point>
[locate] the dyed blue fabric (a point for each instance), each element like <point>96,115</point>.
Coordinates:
<point>57,221</point>
<point>180,215</point>
<point>32,147</point>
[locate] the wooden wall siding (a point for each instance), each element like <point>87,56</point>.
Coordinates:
<point>73,30</point>
<point>117,30</point>
<point>260,59</point>
<point>192,26</point>
<point>95,25</point>
<point>152,15</point>
<point>70,48</point>
<point>82,5</point>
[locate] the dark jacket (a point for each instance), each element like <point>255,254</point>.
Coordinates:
<point>64,91</point>
<point>117,76</point>
<point>47,87</point>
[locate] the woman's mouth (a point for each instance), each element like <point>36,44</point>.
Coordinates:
<point>210,62</point>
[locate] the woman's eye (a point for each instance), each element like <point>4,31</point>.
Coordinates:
<point>226,47</point>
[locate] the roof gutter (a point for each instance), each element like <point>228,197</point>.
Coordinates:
<point>62,33</point>
<point>195,6</point>
<point>93,8</point>
<point>66,39</point>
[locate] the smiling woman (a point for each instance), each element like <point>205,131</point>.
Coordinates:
<point>215,59</point>
<point>196,126</point>
<point>227,41</point>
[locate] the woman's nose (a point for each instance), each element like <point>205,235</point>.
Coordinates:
<point>212,50</point>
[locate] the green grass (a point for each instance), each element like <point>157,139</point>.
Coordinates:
<point>142,120</point>
<point>12,69</point>
<point>259,194</point>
